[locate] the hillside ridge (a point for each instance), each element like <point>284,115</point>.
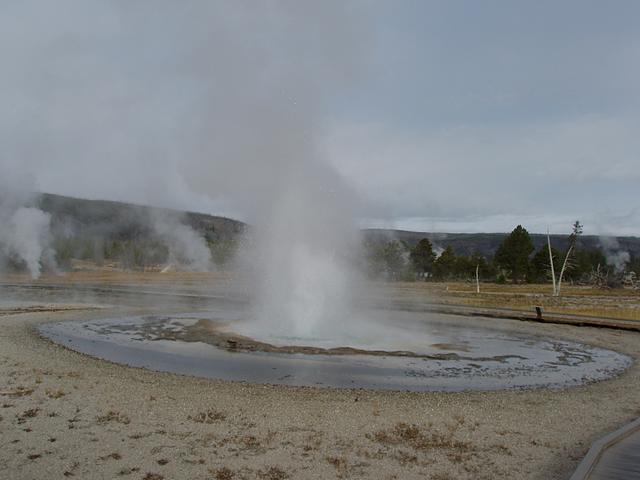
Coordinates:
<point>129,221</point>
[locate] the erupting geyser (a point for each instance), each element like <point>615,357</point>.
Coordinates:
<point>305,248</point>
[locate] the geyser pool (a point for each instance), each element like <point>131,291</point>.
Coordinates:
<point>419,352</point>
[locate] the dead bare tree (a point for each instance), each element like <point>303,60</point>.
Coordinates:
<point>608,278</point>
<point>553,271</point>
<point>599,277</point>
<point>566,264</point>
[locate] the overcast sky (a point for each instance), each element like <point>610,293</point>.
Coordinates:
<point>439,116</point>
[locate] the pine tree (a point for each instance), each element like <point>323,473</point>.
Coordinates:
<point>445,264</point>
<point>422,257</point>
<point>513,254</point>
<point>540,267</point>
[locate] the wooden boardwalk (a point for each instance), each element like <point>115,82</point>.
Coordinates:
<point>614,457</point>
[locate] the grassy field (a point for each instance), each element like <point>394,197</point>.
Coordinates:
<point>577,300</point>
<point>621,303</point>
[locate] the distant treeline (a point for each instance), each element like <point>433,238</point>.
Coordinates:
<point>515,260</point>
<point>139,253</point>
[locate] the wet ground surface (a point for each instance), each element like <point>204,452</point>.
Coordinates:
<point>439,353</point>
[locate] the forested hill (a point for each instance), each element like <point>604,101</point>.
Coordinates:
<point>124,221</point>
<point>487,243</point>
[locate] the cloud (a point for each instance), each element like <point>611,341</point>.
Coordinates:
<point>456,115</point>
<point>492,175</point>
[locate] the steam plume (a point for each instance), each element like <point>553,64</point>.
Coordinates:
<point>25,237</point>
<point>615,256</point>
<point>186,247</point>
<point>229,109</point>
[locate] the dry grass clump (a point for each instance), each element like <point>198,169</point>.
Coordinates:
<point>112,456</point>
<point>54,393</point>
<point>210,416</point>
<point>70,472</point>
<point>441,476</point>
<point>273,473</point>
<point>411,435</point>
<point>128,471</point>
<point>340,464</point>
<point>18,392</point>
<point>153,476</point>
<point>112,416</point>
<point>249,442</point>
<point>222,474</point>
<point>405,458</point>
<point>31,413</point>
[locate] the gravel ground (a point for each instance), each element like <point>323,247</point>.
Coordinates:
<point>63,414</point>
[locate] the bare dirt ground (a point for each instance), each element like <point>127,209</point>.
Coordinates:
<point>63,414</point>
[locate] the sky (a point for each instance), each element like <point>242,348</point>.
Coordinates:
<point>456,116</point>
